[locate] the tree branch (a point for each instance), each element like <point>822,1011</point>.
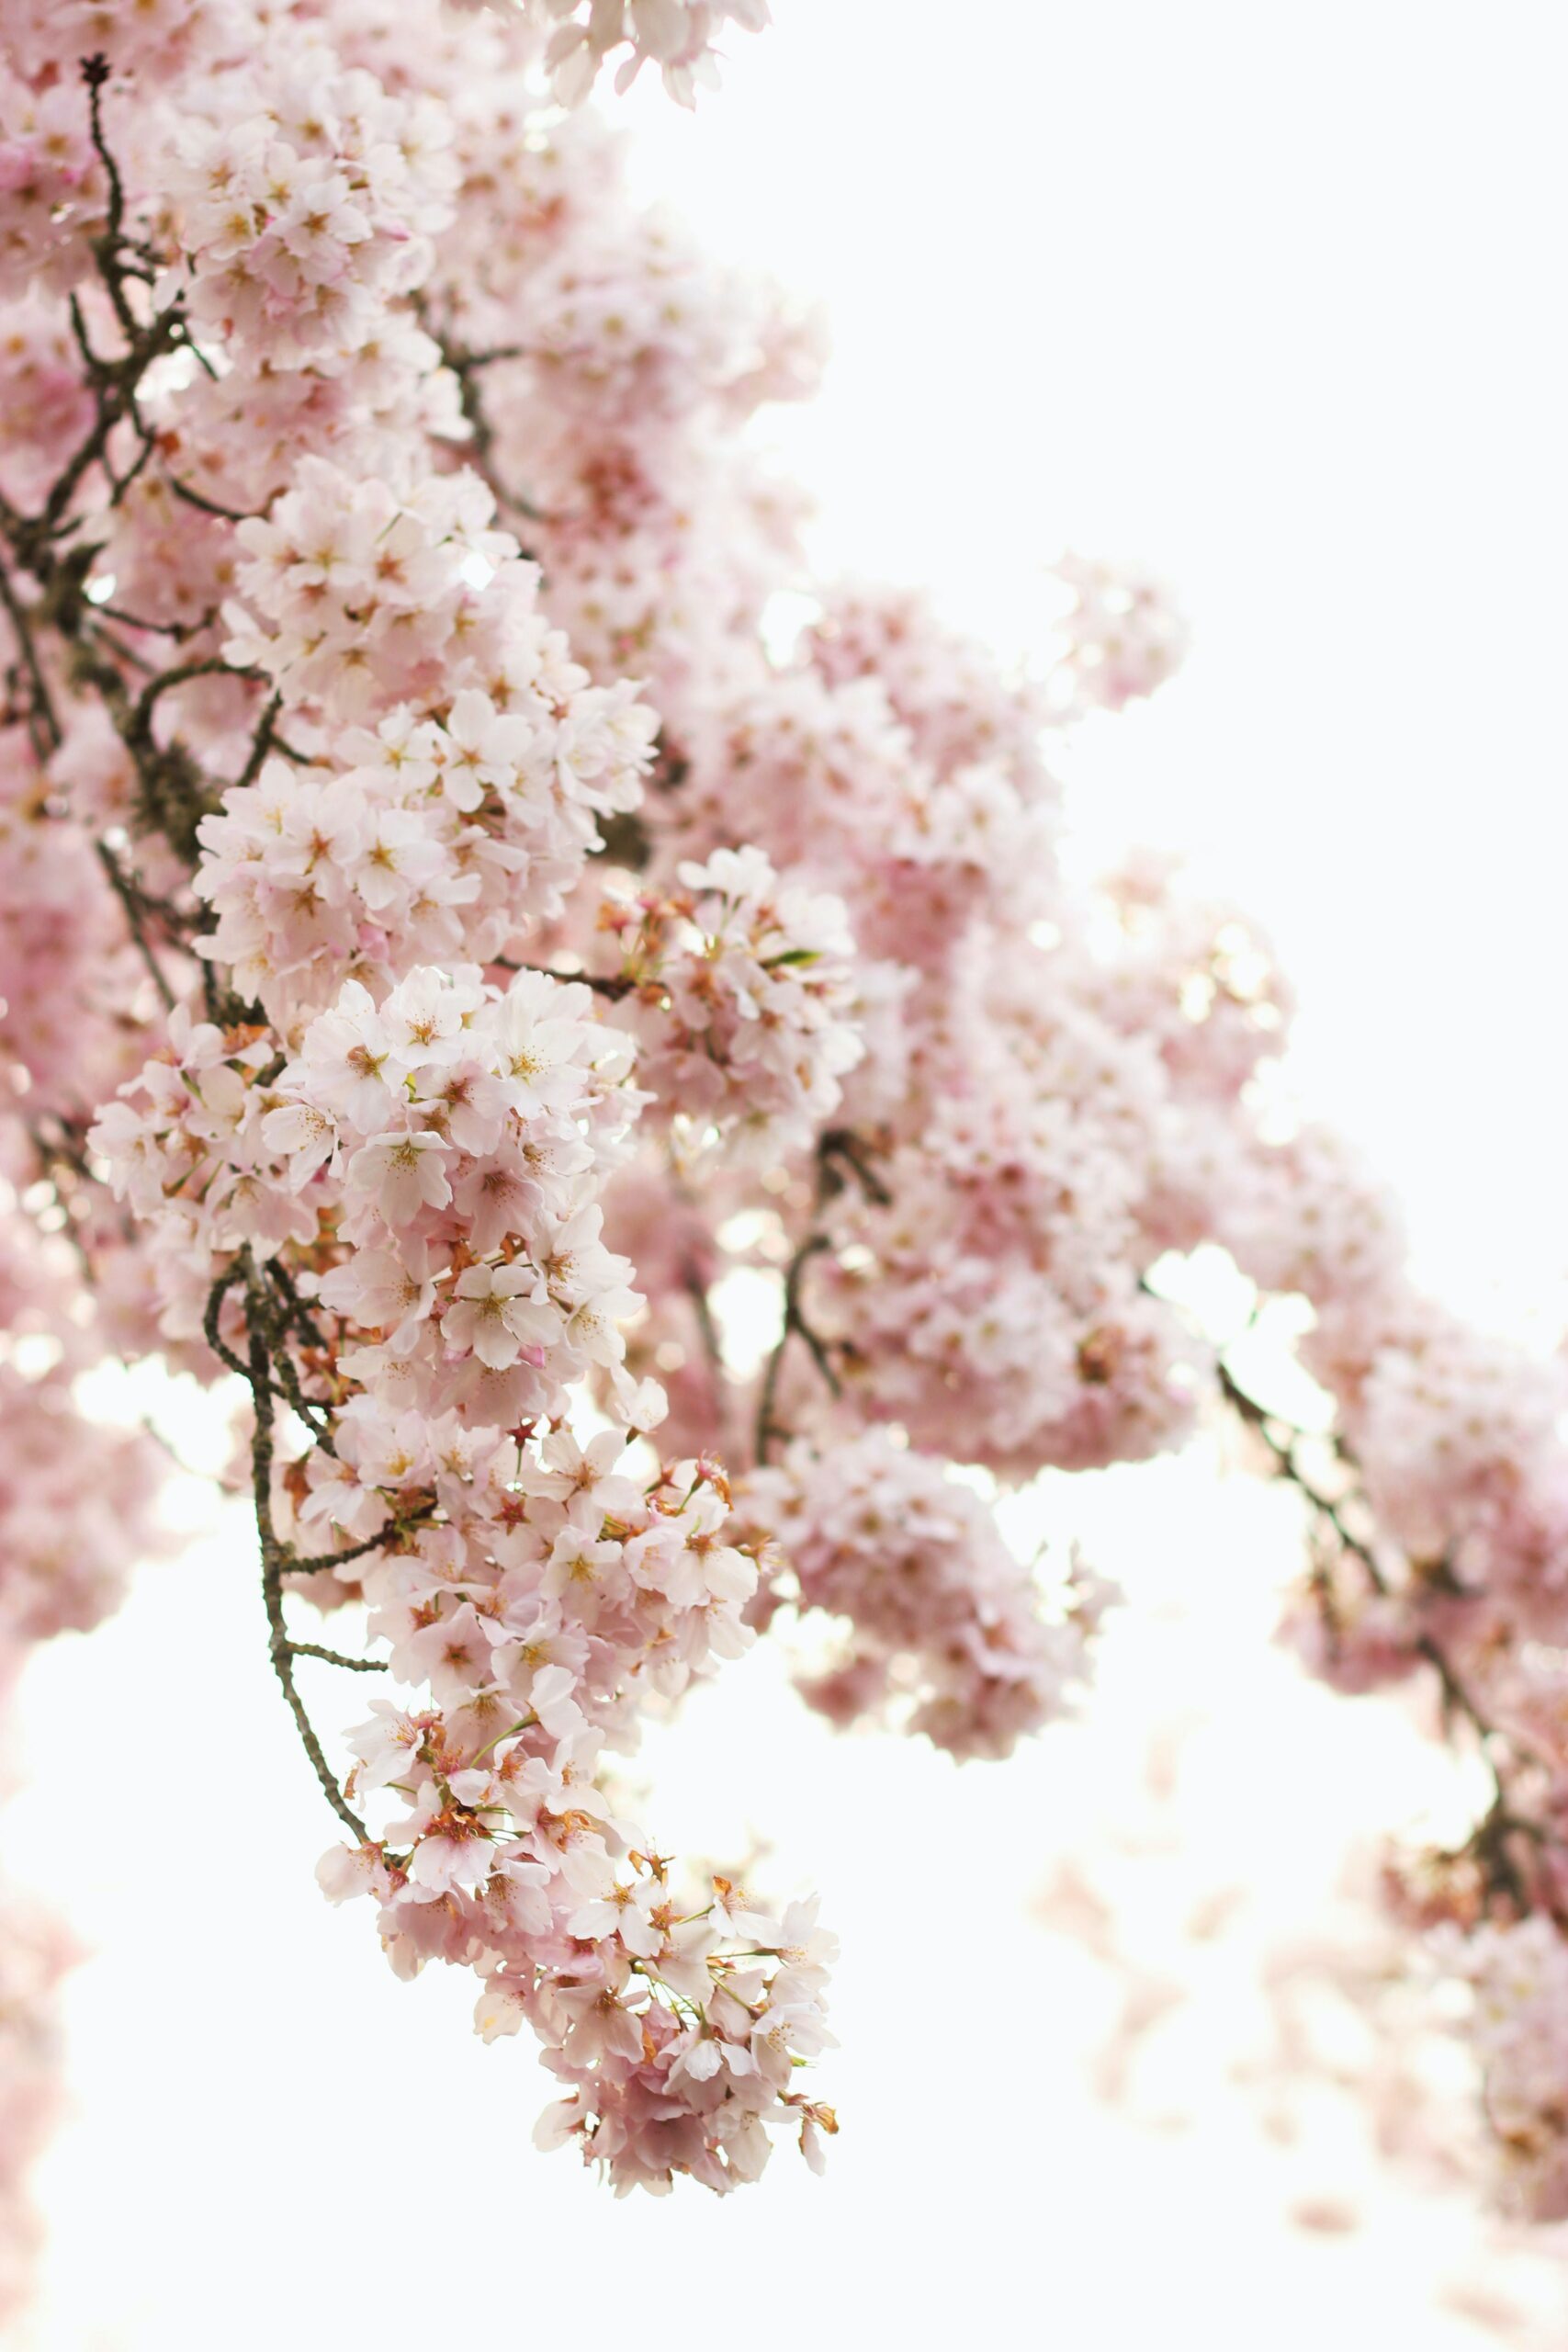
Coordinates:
<point>336,1657</point>
<point>1488,1843</point>
<point>767,1427</point>
<point>275,1557</point>
<point>130,900</point>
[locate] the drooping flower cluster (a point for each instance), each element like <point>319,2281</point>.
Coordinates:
<point>434,973</point>
<point>557,1590</point>
<point>77,1499</point>
<point>66,1541</point>
<point>943,1624</point>
<point>1124,635</point>
<point>744,991</point>
<point>53,193</point>
<point>299,223</point>
<point>677,35</point>
<point>430,1163</point>
<point>1518,2028</point>
<point>77,1508</point>
<point>45,409</point>
<point>448,826</point>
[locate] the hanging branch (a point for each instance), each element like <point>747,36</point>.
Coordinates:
<point>130,899</point>
<point>336,1657</point>
<point>466,367</point>
<point>173,797</point>
<point>838,1149</point>
<point>842,1145</point>
<point>795,1324</point>
<point>702,1307</point>
<point>276,1554</point>
<point>43,722</point>
<point>1488,1842</point>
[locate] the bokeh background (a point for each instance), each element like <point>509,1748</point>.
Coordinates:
<point>1270,297</point>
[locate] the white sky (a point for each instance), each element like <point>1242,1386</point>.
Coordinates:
<point>1270,297</point>
<point>1267,296</point>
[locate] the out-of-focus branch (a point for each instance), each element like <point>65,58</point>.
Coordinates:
<point>1499,1751</point>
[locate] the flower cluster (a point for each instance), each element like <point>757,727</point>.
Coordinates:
<point>51,191</point>
<point>944,1624</point>
<point>64,990</point>
<point>472,759</point>
<point>66,1540</point>
<point>743,984</point>
<point>300,216</point>
<point>156,41</point>
<point>460,1138</point>
<point>1518,2029</point>
<point>431,971</point>
<point>556,1590</point>
<point>45,409</point>
<point>1122,634</point>
<point>77,1499</point>
<point>77,1506</point>
<point>1439,1509</point>
<point>430,1163</point>
<point>677,35</point>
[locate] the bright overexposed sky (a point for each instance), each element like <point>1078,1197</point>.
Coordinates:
<point>1267,296</point>
<point>1270,297</point>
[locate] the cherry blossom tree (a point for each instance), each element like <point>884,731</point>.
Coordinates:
<point>455,927</point>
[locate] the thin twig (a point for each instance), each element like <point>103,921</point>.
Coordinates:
<point>841,1143</point>
<point>181,631</point>
<point>130,897</point>
<point>275,1559</point>
<point>207,505</point>
<point>41,702</point>
<point>768,1428</point>
<point>336,1657</point>
<point>261,743</point>
<point>212,666</point>
<point>317,1561</point>
<point>1488,1842</point>
<point>702,1307</point>
<point>601,983</point>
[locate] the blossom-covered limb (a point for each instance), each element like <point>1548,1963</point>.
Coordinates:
<point>1515,1882</point>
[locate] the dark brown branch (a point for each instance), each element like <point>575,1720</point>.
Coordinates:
<point>173,797</point>
<point>465,365</point>
<point>795,1322</point>
<point>285,1389</point>
<point>1283,1448</point>
<point>130,899</point>
<point>603,983</point>
<point>207,505</point>
<point>467,362</point>
<point>1488,1842</point>
<point>336,1657</point>
<point>181,631</point>
<point>315,1562</point>
<point>261,742</point>
<point>275,1556</point>
<point>95,74</point>
<point>43,719</point>
<point>306,1408</point>
<point>212,666</point>
<point>842,1144</point>
<point>296,1310</point>
<point>702,1307</point>
<point>219,1345</point>
<point>129,654</point>
<point>120,483</point>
